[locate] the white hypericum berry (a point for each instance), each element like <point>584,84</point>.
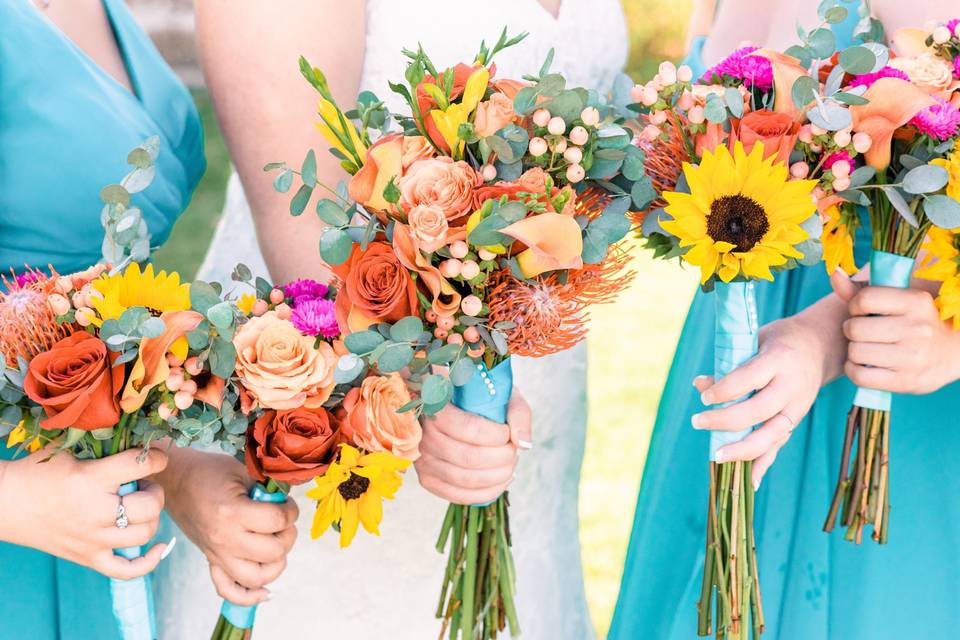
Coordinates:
<point>817,131</point>
<point>541,117</point>
<point>560,145</point>
<point>650,133</point>
<point>590,116</point>
<point>575,173</point>
<point>799,170</point>
<point>557,126</point>
<point>842,138</point>
<point>685,101</point>
<point>696,115</point>
<point>841,184</point>
<point>840,169</point>
<point>667,73</point>
<point>450,268</point>
<point>489,172</point>
<point>538,146</point>
<point>485,254</point>
<point>805,134</point>
<point>941,35</point>
<point>459,249</point>
<point>684,73</point>
<point>470,270</point>
<point>649,96</point>
<point>579,136</point>
<point>573,155</point>
<point>471,305</point>
<point>658,118</point>
<point>58,304</point>
<point>862,142</point>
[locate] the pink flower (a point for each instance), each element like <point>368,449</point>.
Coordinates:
<point>836,157</point>
<point>307,289</point>
<point>956,67</point>
<point>867,79</point>
<point>754,71</point>
<point>939,121</point>
<point>315,317</point>
<point>952,25</point>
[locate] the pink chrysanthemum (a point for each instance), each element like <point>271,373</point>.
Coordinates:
<point>939,121</point>
<point>867,79</point>
<point>307,289</point>
<point>836,157</point>
<point>754,71</point>
<point>952,25</point>
<point>315,317</point>
<point>956,67</point>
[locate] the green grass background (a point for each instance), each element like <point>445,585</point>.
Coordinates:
<point>628,365</point>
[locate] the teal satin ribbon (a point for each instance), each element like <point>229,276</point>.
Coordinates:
<point>487,394</point>
<point>132,600</point>
<point>239,616</point>
<point>736,338</point>
<point>886,270</point>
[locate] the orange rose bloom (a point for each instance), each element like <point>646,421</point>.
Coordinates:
<point>777,131</point>
<point>429,225</point>
<point>442,182</point>
<point>76,384</point>
<point>377,288</point>
<point>372,421</point>
<point>291,446</point>
<point>279,367</point>
<point>493,115</point>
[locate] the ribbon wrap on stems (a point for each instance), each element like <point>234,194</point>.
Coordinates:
<point>886,270</point>
<point>132,600</point>
<point>736,339</point>
<point>239,616</point>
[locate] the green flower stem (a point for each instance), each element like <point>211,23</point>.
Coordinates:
<point>470,572</point>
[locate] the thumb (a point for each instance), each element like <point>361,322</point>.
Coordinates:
<point>129,465</point>
<point>843,286</point>
<point>520,421</point>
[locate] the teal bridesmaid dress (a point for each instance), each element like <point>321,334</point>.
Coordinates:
<point>66,127</point>
<point>815,586</point>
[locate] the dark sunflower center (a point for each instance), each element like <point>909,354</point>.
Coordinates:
<point>353,487</point>
<point>737,220</point>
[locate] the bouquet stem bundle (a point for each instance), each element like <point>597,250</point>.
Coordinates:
<point>730,565</point>
<point>477,599</point>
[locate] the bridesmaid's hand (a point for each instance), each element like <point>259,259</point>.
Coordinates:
<point>68,508</point>
<point>905,347</point>
<point>787,374</point>
<point>246,542</point>
<point>467,459</point>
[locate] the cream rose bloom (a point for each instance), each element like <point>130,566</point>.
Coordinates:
<point>493,115</point>
<point>429,225</point>
<point>929,72</point>
<point>280,367</point>
<point>440,182</point>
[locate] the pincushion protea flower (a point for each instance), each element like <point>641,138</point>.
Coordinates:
<point>28,325</point>
<point>663,163</point>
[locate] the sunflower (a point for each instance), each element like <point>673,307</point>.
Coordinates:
<point>158,293</point>
<point>742,215</point>
<point>940,255</point>
<point>952,164</point>
<point>838,229</point>
<point>352,489</point>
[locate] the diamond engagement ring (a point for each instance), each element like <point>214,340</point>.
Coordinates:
<point>122,521</point>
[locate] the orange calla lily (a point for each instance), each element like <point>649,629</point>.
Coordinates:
<point>446,300</point>
<point>909,41</point>
<point>893,103</point>
<point>554,240</point>
<point>151,367</point>
<point>786,70</point>
<point>212,392</point>
<point>383,163</point>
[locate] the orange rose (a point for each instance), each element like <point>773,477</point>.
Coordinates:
<point>76,384</point>
<point>493,115</point>
<point>415,148</point>
<point>442,182</point>
<point>776,131</point>
<point>510,88</point>
<point>279,367</point>
<point>377,288</point>
<point>531,181</point>
<point>372,421</point>
<point>291,446</point>
<point>430,226</point>
<point>385,161</point>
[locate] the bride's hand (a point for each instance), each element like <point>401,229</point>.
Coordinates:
<point>246,542</point>
<point>467,459</point>
<point>787,374</point>
<point>68,508</point>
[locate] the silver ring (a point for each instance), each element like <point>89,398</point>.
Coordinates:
<point>122,521</point>
<point>793,423</point>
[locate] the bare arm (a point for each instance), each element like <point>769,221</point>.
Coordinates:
<point>267,111</point>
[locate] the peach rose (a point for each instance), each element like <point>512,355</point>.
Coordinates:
<point>291,446</point>
<point>415,148</point>
<point>510,88</point>
<point>372,421</point>
<point>279,367</point>
<point>429,225</point>
<point>442,182</point>
<point>376,288</point>
<point>493,115</point>
<point>76,384</point>
<point>927,71</point>
<point>532,180</point>
<point>776,131</point>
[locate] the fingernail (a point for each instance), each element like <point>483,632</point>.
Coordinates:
<point>526,445</point>
<point>170,546</point>
<point>756,485</point>
<point>696,421</point>
<point>718,456</point>
<point>706,398</point>
<point>268,597</point>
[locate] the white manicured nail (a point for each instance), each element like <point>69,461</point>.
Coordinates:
<point>526,445</point>
<point>756,485</point>
<point>695,420</point>
<point>718,456</point>
<point>170,546</point>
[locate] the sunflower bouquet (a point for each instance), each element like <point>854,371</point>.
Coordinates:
<point>479,224</point>
<point>905,191</point>
<point>89,361</point>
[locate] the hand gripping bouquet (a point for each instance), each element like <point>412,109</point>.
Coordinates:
<point>901,136</point>
<point>85,359</point>
<point>481,227</point>
<point>286,410</point>
<point>722,197</point>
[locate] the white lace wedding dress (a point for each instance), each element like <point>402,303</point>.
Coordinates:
<point>387,587</point>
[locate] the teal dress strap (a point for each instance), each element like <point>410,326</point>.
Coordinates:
<point>66,127</point>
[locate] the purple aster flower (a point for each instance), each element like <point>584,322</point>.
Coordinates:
<point>316,317</point>
<point>754,71</point>
<point>28,278</point>
<point>952,26</point>
<point>305,288</point>
<point>867,79</point>
<point>956,67</point>
<point>939,121</point>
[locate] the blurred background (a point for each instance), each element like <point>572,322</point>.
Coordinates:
<point>626,374</point>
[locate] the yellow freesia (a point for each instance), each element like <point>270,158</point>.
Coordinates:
<point>333,132</point>
<point>246,302</point>
<point>448,120</point>
<point>20,434</point>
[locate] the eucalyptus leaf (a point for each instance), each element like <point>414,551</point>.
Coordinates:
<point>220,315</point>
<point>348,369</point>
<point>115,194</point>
<point>715,109</point>
<point>308,172</point>
<point>152,327</point>
<point>394,358</point>
<point>445,354</point>
<point>525,100</point>
<point>487,232</point>
<point>406,329</point>
<point>862,176</point>
<point>926,178</point>
<point>822,43</point>
<point>335,246</point>
<point>363,342</point>
<point>851,99</point>
<point>283,181</point>
<point>436,389</point>
<point>830,116</point>
<point>223,357</point>
<point>139,179</point>
<point>836,15</point>
<point>202,296</point>
<point>803,91</point>
<point>942,211</point>
<point>643,193</point>
<point>462,371</point>
<point>858,60</point>
<point>734,102</point>
<point>900,204</point>
<point>502,148</point>
<point>803,55</point>
<point>512,211</point>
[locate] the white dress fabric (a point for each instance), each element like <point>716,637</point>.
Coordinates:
<point>387,587</point>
